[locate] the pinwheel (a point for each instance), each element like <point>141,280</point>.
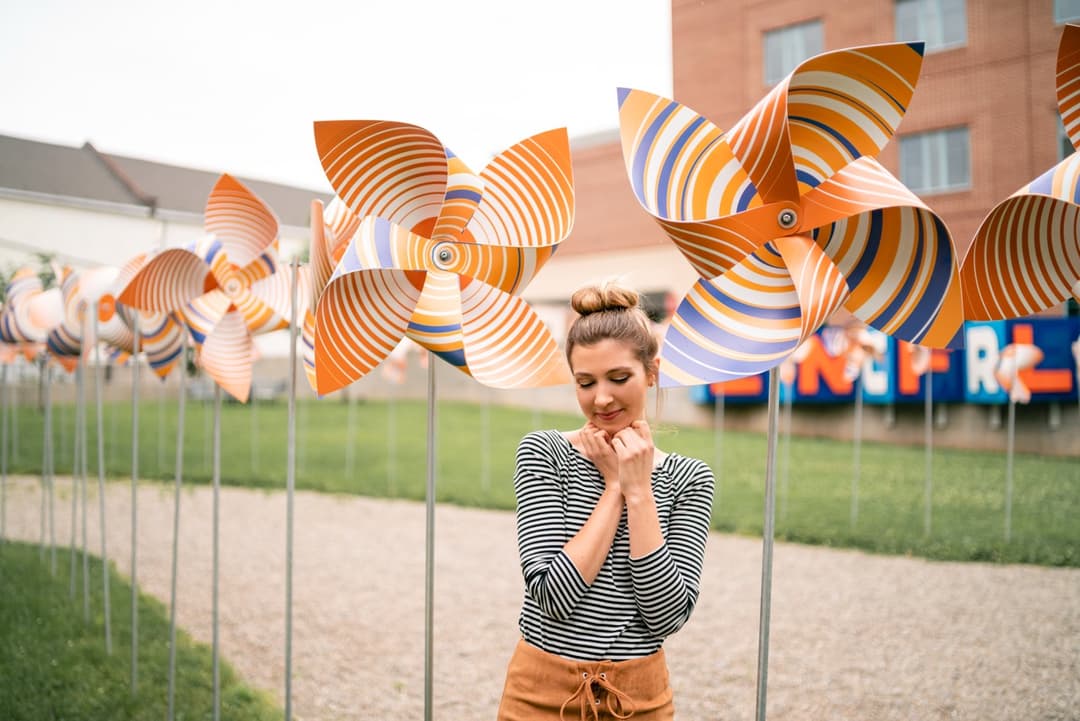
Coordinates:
<point>1025,257</point>
<point>439,255</point>
<point>227,286</point>
<point>787,217</point>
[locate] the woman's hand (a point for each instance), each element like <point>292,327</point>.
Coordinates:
<point>597,448</point>
<point>634,450</point>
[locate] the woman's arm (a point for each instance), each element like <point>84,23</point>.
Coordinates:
<point>665,572</point>
<point>557,575</point>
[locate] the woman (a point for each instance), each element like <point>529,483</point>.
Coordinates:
<point>611,532</point>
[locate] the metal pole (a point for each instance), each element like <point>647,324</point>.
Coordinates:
<point>83,479</point>
<point>429,547</point>
<point>75,466</point>
<point>290,487</point>
<point>3,451</point>
<point>44,462</point>
<point>254,435</point>
<point>718,440</point>
<point>1009,447</point>
<point>136,342</point>
<point>49,464</point>
<point>785,478</point>
<point>928,496</point>
<point>857,462</point>
<point>178,483</point>
<point>98,382</point>
<point>767,547</point>
<point>215,661</point>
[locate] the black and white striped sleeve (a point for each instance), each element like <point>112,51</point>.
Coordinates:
<point>551,578</point>
<point>666,581</point>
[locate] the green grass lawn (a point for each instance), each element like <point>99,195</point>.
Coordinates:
<point>813,506</point>
<point>53,663</point>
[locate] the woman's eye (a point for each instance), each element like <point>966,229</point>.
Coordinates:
<point>620,379</point>
<point>585,384</point>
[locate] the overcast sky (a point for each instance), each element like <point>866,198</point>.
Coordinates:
<point>233,86</point>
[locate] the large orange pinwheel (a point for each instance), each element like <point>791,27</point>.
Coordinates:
<point>440,254</point>
<point>788,217</point>
<point>1025,257</point>
<point>227,286</point>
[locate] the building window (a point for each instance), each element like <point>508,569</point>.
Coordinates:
<point>788,46</point>
<point>936,161</point>
<point>1066,10</point>
<point>941,24</point>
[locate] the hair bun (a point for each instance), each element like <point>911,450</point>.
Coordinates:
<point>608,296</point>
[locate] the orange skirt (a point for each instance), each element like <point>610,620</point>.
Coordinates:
<point>542,686</point>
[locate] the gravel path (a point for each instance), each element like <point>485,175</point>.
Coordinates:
<point>854,636</point>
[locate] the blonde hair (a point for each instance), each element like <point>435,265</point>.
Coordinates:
<point>611,311</point>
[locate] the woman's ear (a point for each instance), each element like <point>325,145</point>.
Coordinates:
<point>654,372</point>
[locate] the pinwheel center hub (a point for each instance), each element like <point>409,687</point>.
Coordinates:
<point>444,256</point>
<point>232,287</point>
<point>787,218</point>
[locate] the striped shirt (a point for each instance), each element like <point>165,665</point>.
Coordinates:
<point>634,603</point>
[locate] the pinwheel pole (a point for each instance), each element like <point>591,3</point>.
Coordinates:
<point>83,474</point>
<point>767,547</point>
<point>216,652</point>
<point>290,486</point>
<point>44,468</point>
<point>928,431</point>
<point>3,450</point>
<point>76,466</point>
<point>857,461</point>
<point>429,545</point>
<point>485,442</point>
<point>48,468</point>
<point>134,502</point>
<point>1010,445</point>
<point>178,486</point>
<point>789,404</point>
<point>718,433</point>
<point>98,383</point>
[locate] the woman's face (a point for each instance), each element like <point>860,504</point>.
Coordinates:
<point>612,384</point>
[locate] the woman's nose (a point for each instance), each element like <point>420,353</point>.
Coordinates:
<point>603,394</point>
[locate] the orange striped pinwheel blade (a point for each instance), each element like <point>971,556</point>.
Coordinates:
<point>497,325</point>
<point>45,311</point>
<point>391,170</point>
<point>752,317</point>
<point>896,255</point>
<point>228,354</point>
<point>243,223</point>
<point>361,316</point>
<point>464,190</point>
<point>79,290</point>
<point>832,109</point>
<point>1025,257</point>
<point>436,321</point>
<point>680,165</point>
<point>1068,82</point>
<point>162,341</point>
<point>528,194</point>
<point>167,282</point>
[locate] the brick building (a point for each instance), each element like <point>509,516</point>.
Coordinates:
<point>983,121</point>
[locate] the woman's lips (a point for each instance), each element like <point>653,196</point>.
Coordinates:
<point>610,416</point>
